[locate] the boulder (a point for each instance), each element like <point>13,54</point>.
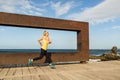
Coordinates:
<point>111,55</point>
<point>114,50</point>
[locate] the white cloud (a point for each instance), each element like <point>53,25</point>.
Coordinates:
<point>116,27</point>
<point>60,8</point>
<point>106,11</point>
<point>20,6</point>
<point>45,4</point>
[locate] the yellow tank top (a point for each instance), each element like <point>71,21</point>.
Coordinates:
<point>44,44</point>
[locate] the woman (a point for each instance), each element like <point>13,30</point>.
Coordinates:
<point>44,42</point>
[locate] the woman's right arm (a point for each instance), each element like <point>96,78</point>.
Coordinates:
<point>40,39</point>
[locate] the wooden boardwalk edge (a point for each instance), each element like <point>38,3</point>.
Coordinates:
<point>107,70</point>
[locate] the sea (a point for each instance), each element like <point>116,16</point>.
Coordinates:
<point>93,52</point>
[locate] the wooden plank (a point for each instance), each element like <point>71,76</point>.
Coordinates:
<point>34,73</point>
<point>26,73</point>
<point>106,74</point>
<point>51,73</point>
<point>39,69</point>
<point>45,69</point>
<point>18,74</point>
<point>44,77</point>
<point>53,76</point>
<point>42,73</point>
<point>67,76</point>
<point>1,69</point>
<point>81,76</point>
<point>3,73</point>
<point>63,77</point>
<point>10,74</point>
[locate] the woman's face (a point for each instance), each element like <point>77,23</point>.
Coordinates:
<point>47,33</point>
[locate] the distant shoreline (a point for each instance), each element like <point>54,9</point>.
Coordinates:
<point>93,52</point>
<point>37,50</point>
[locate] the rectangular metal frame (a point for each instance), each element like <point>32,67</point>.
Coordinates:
<point>17,20</point>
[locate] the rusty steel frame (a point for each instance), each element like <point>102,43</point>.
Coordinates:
<point>27,21</point>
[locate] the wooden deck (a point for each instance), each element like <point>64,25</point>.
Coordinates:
<point>109,70</point>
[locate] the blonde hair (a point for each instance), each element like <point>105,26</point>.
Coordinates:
<point>45,32</point>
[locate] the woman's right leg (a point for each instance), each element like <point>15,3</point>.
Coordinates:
<point>48,58</point>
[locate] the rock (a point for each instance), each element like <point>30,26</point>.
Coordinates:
<point>114,50</point>
<point>111,55</point>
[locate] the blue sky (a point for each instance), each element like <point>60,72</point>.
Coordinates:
<point>26,38</point>
<point>103,17</point>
